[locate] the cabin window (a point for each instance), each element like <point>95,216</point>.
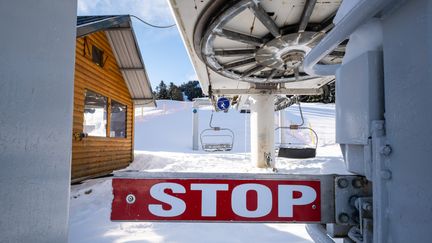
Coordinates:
<point>97,56</point>
<point>118,120</point>
<point>95,114</point>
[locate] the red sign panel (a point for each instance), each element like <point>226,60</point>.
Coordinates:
<point>216,200</point>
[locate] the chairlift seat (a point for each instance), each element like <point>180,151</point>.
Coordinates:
<point>296,153</point>
<point>217,139</point>
<point>213,147</point>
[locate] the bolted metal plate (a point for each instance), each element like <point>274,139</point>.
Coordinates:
<point>347,190</point>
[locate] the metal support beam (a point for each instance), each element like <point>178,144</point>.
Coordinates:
<point>282,123</point>
<point>239,63</point>
<point>195,128</point>
<point>235,36</point>
<point>327,22</point>
<point>307,12</point>
<point>262,131</point>
<point>253,91</point>
<point>252,70</point>
<point>265,19</point>
<point>234,52</point>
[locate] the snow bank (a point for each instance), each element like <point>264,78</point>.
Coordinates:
<point>169,127</point>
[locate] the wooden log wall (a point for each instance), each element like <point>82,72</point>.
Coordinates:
<point>96,156</point>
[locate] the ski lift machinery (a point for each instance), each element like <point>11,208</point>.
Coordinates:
<point>258,49</point>
<point>255,50</point>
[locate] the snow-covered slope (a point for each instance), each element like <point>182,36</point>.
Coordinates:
<point>163,142</point>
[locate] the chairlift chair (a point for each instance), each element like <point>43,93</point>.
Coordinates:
<point>216,138</point>
<point>298,150</point>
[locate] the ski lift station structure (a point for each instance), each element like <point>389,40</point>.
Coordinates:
<point>255,50</point>
<point>246,51</point>
<point>382,102</point>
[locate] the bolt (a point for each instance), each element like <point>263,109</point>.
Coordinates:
<point>355,218</point>
<point>386,174</point>
<point>358,183</point>
<point>130,198</point>
<point>342,183</point>
<point>343,218</point>
<point>386,150</point>
<point>314,206</point>
<point>378,125</point>
<point>352,200</point>
<point>367,206</point>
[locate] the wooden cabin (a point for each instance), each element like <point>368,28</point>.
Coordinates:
<point>110,81</point>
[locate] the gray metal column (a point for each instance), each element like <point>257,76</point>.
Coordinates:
<point>262,130</point>
<point>408,91</point>
<point>36,98</point>
<point>195,126</point>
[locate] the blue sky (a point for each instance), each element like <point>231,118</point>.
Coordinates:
<point>163,51</point>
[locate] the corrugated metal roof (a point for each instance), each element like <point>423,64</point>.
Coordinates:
<point>91,24</point>
<point>125,47</point>
<point>82,20</point>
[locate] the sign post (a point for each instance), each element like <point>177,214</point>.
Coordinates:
<point>207,197</point>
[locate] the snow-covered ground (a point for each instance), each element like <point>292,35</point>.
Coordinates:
<point>163,142</point>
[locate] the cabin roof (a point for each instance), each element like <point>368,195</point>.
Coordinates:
<point>121,36</point>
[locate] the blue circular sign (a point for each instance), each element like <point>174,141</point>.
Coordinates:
<point>194,111</point>
<point>223,103</point>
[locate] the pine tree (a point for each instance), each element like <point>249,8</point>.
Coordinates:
<point>192,89</point>
<point>174,92</point>
<point>162,91</point>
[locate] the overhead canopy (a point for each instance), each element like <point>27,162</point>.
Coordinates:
<point>120,34</point>
<point>245,46</point>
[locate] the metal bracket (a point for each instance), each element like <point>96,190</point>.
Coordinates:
<point>347,190</point>
<point>365,209</point>
<point>368,170</point>
<point>380,176</point>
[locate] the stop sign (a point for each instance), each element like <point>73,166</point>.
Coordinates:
<point>216,200</point>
